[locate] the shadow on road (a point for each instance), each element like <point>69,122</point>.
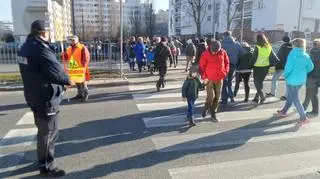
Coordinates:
<point>90,135</point>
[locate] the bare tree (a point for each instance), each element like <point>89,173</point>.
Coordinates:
<point>135,21</point>
<point>198,9</point>
<point>149,18</point>
<point>231,9</point>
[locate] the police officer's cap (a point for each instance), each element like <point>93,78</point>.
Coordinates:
<point>39,25</point>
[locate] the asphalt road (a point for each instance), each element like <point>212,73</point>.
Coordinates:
<point>134,132</point>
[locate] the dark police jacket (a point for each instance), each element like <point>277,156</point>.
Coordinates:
<point>43,76</point>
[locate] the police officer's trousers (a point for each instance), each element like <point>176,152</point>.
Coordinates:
<point>47,135</point>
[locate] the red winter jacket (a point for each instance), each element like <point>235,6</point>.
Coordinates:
<point>214,67</point>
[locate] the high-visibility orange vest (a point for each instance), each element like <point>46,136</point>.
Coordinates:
<point>76,70</point>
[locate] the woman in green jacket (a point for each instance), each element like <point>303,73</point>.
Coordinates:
<point>263,57</point>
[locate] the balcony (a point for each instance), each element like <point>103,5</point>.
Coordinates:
<point>37,5</point>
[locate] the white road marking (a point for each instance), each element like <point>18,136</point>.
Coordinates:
<point>279,166</point>
<point>180,104</point>
<point>28,118</point>
<point>18,137</point>
<point>143,96</point>
<point>176,120</point>
<point>234,137</point>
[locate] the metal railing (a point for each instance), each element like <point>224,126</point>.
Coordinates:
<point>104,56</point>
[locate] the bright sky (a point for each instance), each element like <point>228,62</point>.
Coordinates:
<point>162,4</point>
<point>5,10</point>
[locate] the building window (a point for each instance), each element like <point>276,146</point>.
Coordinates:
<point>209,7</point>
<point>208,18</point>
<point>258,4</point>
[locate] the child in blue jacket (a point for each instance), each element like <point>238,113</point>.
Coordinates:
<point>150,59</point>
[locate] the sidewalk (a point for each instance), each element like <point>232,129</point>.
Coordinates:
<point>93,84</point>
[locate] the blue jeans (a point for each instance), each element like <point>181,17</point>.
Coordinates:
<point>293,97</point>
<point>227,85</point>
<point>190,108</point>
<point>276,75</point>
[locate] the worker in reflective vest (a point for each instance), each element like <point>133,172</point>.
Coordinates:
<point>76,62</point>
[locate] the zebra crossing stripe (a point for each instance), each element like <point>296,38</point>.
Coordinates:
<point>18,137</point>
<point>179,104</point>
<point>176,120</point>
<point>28,118</point>
<point>143,96</point>
<point>168,86</point>
<point>234,137</point>
<point>271,167</point>
<point>153,86</point>
<point>8,163</point>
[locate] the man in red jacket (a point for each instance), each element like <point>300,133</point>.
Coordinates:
<point>214,67</point>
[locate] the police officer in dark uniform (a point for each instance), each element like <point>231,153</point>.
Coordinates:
<point>44,80</point>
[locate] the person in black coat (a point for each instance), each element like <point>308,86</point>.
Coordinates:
<point>283,53</point>
<point>243,71</point>
<point>201,48</point>
<point>43,79</point>
<point>161,54</point>
<point>313,81</point>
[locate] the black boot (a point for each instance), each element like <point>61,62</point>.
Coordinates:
<point>191,122</point>
<point>204,113</point>
<point>56,172</point>
<point>214,117</point>
<point>158,86</point>
<point>262,99</point>
<point>246,99</point>
<point>256,99</point>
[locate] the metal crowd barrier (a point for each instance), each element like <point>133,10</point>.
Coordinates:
<point>104,56</point>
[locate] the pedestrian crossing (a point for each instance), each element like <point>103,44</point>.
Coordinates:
<point>256,127</point>
<point>14,142</point>
<point>274,167</point>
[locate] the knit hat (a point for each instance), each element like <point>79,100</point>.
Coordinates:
<point>286,39</point>
<point>193,69</point>
<point>215,46</point>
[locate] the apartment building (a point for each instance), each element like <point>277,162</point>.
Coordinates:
<point>284,15</point>
<point>92,18</point>
<point>259,15</point>
<point>101,18</point>
<point>55,12</point>
<point>161,23</point>
<point>213,15</point>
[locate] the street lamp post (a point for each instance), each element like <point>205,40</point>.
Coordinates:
<point>299,18</point>
<point>242,21</point>
<point>214,19</point>
<point>121,39</point>
<point>73,18</point>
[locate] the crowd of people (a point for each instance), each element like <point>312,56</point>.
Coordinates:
<point>218,61</point>
<point>221,60</point>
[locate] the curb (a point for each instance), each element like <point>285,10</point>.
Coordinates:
<point>97,85</point>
